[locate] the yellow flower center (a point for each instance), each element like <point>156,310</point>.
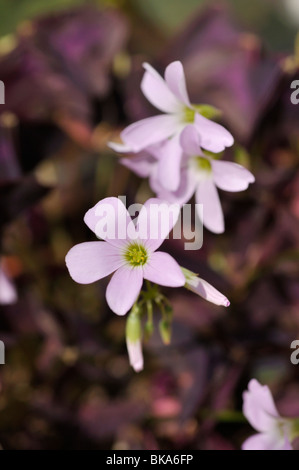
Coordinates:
<point>136,255</point>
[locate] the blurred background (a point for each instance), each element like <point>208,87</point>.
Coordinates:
<point>72,71</point>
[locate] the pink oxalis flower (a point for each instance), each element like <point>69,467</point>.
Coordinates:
<point>274,432</point>
<point>129,250</point>
<point>131,258</point>
<point>169,148</point>
<point>170,96</point>
<point>198,174</point>
<point>201,174</point>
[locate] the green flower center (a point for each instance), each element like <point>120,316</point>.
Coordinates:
<point>203,164</point>
<point>206,110</point>
<point>136,255</point>
<point>189,115</point>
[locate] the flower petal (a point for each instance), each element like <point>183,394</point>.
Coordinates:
<point>8,293</point>
<point>88,262</point>
<point>120,147</point>
<point>123,289</point>
<point>110,221</point>
<point>135,354</point>
<point>213,136</point>
<point>175,79</point>
<point>207,195</point>
<point>157,92</point>
<point>164,270</point>
<point>154,181</point>
<point>156,219</point>
<point>230,176</point>
<point>152,130</point>
<point>265,441</point>
<point>184,192</point>
<point>142,164</point>
<point>260,442</point>
<point>169,164</point>
<point>207,291</point>
<point>190,141</point>
<point>259,407</point>
<point>286,444</point>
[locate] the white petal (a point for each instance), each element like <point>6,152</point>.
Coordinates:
<point>259,407</point>
<point>190,141</point>
<point>156,219</point>
<point>120,148</point>
<point>88,262</point>
<point>142,165</point>
<point>123,289</point>
<point>110,221</point>
<point>162,269</point>
<point>169,164</point>
<point>207,195</point>
<point>157,92</point>
<point>141,134</point>
<point>135,355</point>
<point>207,291</point>
<point>264,441</point>
<point>175,79</point>
<point>213,136</point>
<point>230,176</point>
<point>184,192</point>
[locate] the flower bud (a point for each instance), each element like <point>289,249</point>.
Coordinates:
<point>204,289</point>
<point>133,340</point>
<point>165,331</point>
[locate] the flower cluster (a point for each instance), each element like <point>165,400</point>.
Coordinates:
<point>179,150</point>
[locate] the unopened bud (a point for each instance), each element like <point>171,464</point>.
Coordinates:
<point>204,289</point>
<point>165,331</point>
<point>133,340</point>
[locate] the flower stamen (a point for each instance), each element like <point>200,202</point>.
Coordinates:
<point>136,255</point>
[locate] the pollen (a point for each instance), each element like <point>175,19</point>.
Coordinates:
<point>136,255</point>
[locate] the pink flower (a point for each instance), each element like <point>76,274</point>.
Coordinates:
<point>202,175</point>
<point>197,174</point>
<point>274,432</point>
<point>132,256</point>
<point>8,293</point>
<point>170,96</point>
